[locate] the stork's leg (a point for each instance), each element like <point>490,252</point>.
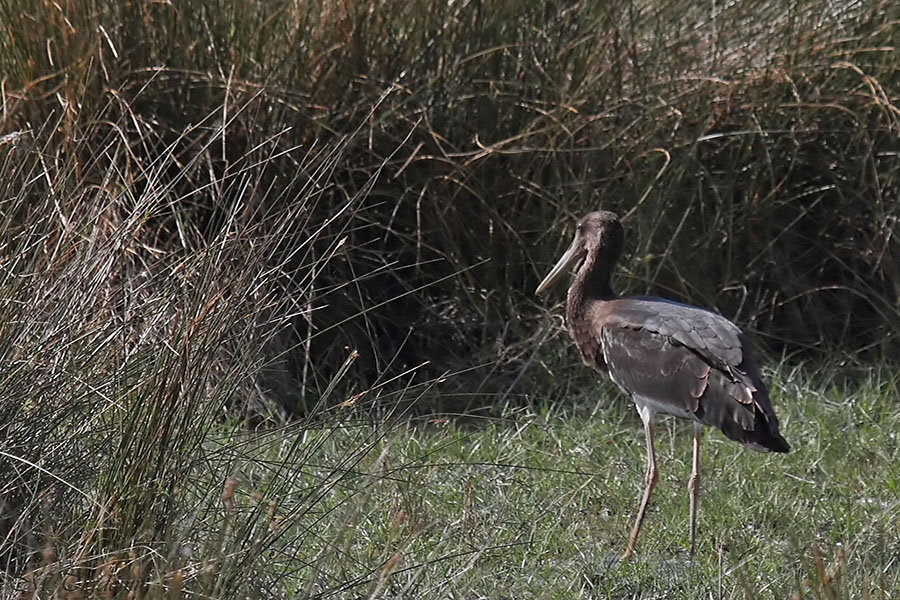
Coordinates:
<point>694,484</point>
<point>651,478</point>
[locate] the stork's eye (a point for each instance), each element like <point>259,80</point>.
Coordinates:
<point>579,228</point>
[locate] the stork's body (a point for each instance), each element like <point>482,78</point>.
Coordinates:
<point>670,358</point>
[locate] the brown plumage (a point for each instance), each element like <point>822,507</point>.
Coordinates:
<point>669,357</point>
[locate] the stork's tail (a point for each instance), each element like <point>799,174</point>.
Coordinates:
<point>765,436</point>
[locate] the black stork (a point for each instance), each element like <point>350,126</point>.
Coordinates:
<point>670,358</point>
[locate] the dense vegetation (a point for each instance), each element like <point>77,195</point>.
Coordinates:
<point>250,251</point>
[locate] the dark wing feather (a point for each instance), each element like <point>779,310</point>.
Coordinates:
<point>713,336</point>
<point>690,363</point>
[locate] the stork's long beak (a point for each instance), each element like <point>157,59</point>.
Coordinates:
<point>562,266</point>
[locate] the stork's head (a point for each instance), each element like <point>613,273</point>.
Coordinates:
<point>598,235</point>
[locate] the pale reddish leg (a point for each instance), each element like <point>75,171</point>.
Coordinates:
<point>694,484</point>
<point>652,476</point>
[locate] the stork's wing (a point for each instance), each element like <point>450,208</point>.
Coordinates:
<point>691,363</point>
<point>714,337</point>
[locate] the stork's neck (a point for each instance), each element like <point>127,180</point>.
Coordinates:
<point>592,282</point>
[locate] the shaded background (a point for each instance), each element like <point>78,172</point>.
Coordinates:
<point>446,149</point>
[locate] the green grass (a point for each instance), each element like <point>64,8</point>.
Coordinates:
<point>540,506</point>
